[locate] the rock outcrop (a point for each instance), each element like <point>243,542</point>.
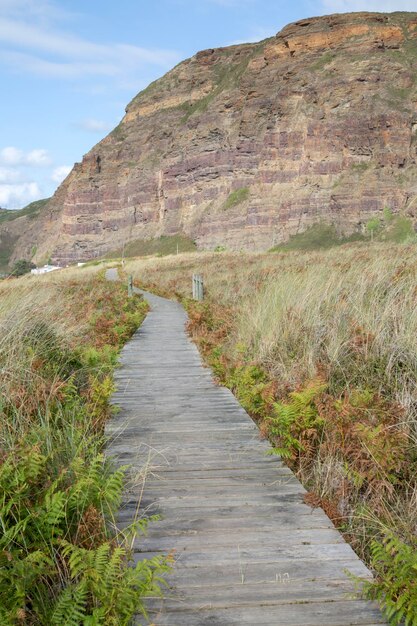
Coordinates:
<point>244,146</point>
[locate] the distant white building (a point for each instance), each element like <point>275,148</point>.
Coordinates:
<point>45,269</point>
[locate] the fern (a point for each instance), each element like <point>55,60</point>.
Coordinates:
<point>297,421</point>
<point>60,562</point>
<point>70,607</point>
<point>249,383</point>
<point>54,507</point>
<point>116,591</point>
<point>395,588</point>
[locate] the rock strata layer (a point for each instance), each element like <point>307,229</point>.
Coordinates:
<point>244,146</point>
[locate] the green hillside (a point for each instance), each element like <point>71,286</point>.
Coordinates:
<point>31,210</point>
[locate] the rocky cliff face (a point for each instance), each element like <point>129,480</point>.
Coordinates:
<point>243,146</point>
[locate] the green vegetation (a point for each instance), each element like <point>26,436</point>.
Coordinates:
<point>119,132</point>
<point>152,87</point>
<point>373,226</point>
<point>400,93</point>
<point>62,559</point>
<point>226,75</point>
<point>320,348</point>
<point>292,420</point>
<point>396,564</point>
<point>32,210</point>
<point>324,60</point>
<point>316,237</point>
<point>361,167</point>
<point>21,267</point>
<point>7,239</point>
<point>7,244</point>
<point>321,236</point>
<point>391,228</point>
<point>162,246</point>
<point>236,197</point>
<point>400,230</point>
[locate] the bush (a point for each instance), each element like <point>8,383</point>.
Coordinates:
<point>21,267</point>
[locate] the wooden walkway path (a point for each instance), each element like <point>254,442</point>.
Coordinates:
<point>247,550</point>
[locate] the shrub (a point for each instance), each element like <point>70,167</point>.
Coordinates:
<point>21,267</point>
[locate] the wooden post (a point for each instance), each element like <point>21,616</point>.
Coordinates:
<point>198,287</point>
<point>130,285</point>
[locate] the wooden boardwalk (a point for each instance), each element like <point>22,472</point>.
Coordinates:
<point>247,550</point>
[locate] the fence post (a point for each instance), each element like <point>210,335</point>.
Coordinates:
<point>198,287</point>
<point>130,285</point>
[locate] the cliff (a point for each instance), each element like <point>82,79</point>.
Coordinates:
<point>244,146</point>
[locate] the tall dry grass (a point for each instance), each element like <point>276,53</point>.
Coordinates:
<point>298,312</point>
<point>62,559</point>
<point>321,348</point>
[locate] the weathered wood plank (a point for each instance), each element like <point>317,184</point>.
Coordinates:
<point>214,575</point>
<point>332,613</point>
<point>247,550</point>
<point>281,591</point>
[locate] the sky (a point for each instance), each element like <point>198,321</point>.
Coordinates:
<point>68,68</point>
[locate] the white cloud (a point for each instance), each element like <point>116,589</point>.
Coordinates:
<point>381,6</point>
<point>93,126</point>
<point>33,64</point>
<point>8,175</point>
<point>23,175</point>
<point>39,47</point>
<point>38,157</point>
<point>257,34</point>
<point>60,173</point>
<point>13,156</point>
<point>40,9</point>
<point>18,195</point>
<point>230,3</point>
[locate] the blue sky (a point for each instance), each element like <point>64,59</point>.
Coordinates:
<point>68,68</point>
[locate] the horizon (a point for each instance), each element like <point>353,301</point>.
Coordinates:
<point>88,62</point>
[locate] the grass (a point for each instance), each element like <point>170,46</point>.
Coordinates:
<point>320,347</point>
<point>7,243</point>
<point>236,197</point>
<point>316,237</point>
<point>162,246</point>
<point>62,558</point>
<point>226,75</point>
<point>32,210</point>
<point>119,132</point>
<point>361,167</point>
<point>399,230</point>
<point>324,60</point>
